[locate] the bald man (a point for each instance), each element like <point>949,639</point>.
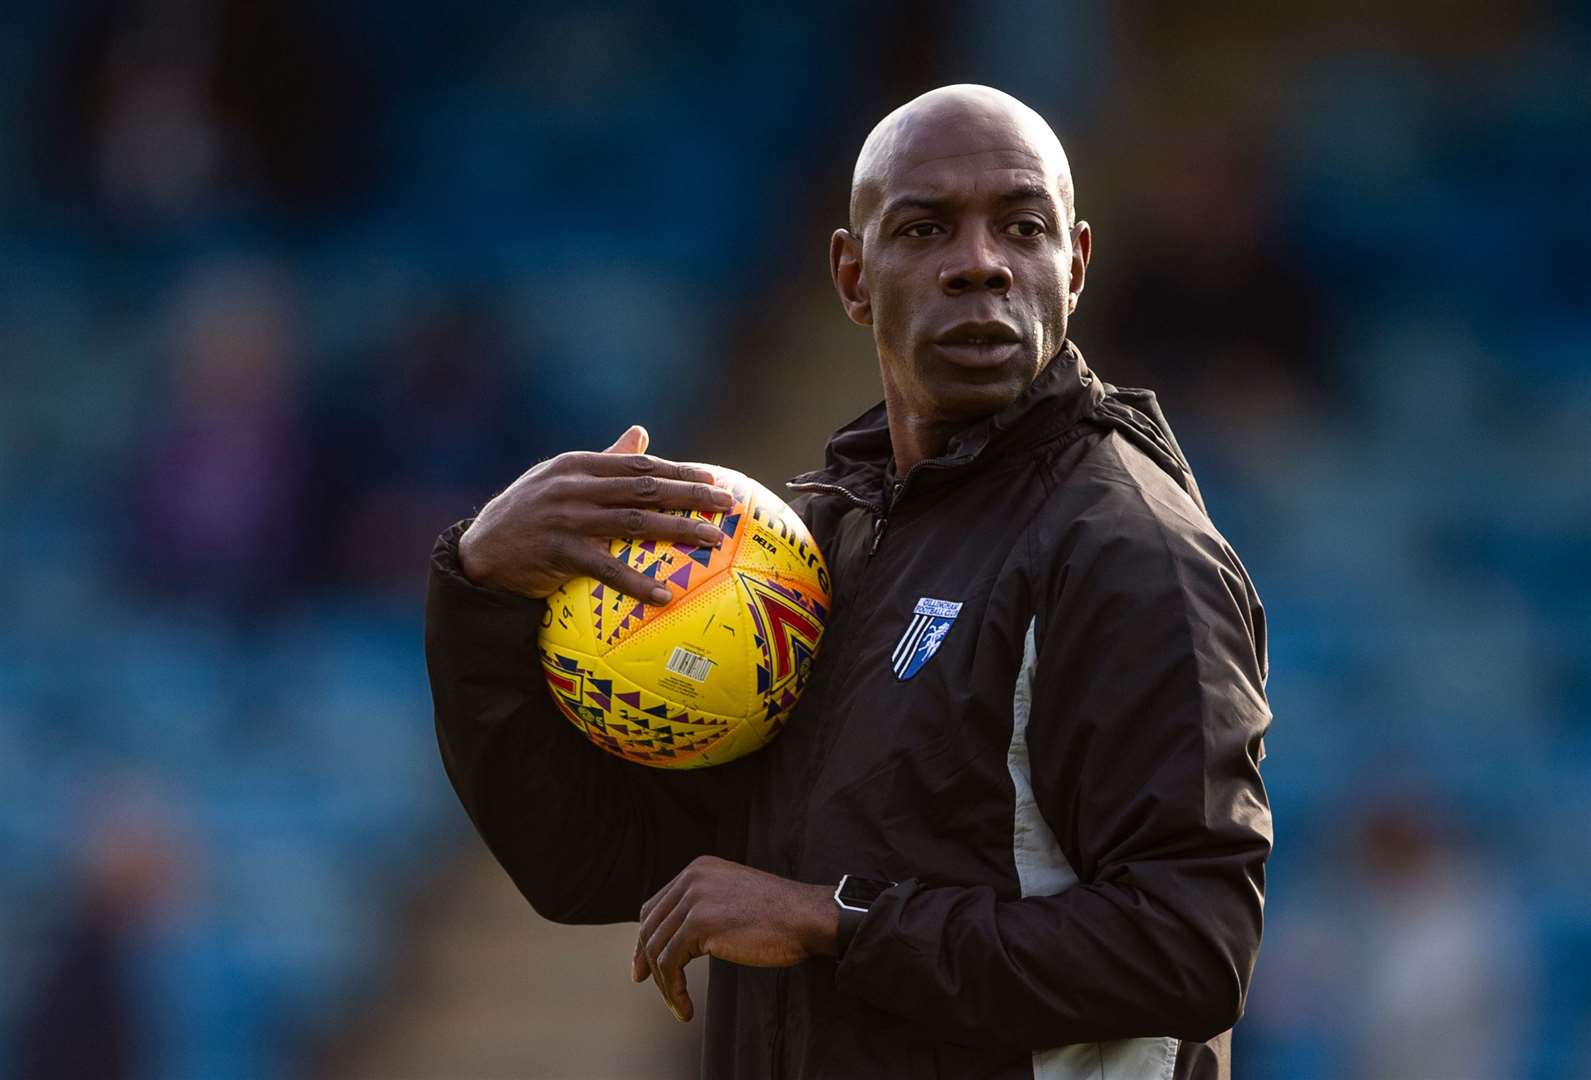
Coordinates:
<point>1015,827</point>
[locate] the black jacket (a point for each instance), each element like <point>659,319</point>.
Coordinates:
<point>1066,788</point>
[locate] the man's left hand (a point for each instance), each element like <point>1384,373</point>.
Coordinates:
<point>723,909</point>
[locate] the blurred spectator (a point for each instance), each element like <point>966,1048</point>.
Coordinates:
<point>81,1016</point>
<point>1202,302</point>
<point>442,426</point>
<point>220,488</point>
<point>1440,985</point>
<point>166,112</point>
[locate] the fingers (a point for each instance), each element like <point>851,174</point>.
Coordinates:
<point>620,464</point>
<point>669,969</point>
<point>667,947</point>
<point>594,561</point>
<point>663,933</point>
<point>651,492</point>
<point>585,560</point>
<point>649,525</point>
<point>639,967</point>
<point>661,903</point>
<point>661,918</point>
<point>633,441</point>
<point>676,994</point>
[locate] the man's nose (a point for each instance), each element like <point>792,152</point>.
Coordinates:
<point>977,264</point>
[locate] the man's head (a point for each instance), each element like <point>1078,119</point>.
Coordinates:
<point>963,253</point>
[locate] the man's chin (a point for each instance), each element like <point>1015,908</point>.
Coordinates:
<point>968,401</point>
<point>963,393</point>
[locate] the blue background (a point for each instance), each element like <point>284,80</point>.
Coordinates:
<point>287,289</point>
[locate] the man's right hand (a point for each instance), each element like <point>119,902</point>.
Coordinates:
<point>555,522</point>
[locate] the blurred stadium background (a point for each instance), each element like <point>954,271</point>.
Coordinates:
<point>287,288</point>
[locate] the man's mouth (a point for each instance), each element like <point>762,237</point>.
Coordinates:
<point>991,332</point>
<point>979,345</point>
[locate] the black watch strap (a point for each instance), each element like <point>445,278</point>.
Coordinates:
<point>849,921</point>
<point>854,898</point>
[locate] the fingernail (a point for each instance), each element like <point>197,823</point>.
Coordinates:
<point>661,596</point>
<point>702,476</point>
<point>709,534</point>
<point>723,498</point>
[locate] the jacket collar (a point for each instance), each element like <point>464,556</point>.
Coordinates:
<point>859,461</point>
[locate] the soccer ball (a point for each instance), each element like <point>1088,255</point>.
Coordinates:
<point>711,675</point>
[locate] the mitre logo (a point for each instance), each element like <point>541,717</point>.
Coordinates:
<point>930,623</point>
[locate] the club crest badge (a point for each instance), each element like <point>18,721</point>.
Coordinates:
<point>929,625</point>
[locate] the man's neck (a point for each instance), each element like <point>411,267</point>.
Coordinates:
<point>914,437</point>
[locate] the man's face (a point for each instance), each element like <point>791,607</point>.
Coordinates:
<point>967,267</point>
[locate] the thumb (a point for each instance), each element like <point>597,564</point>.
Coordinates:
<point>633,441</point>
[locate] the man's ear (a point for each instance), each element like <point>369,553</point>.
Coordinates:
<point>845,267</point>
<point>1082,249</point>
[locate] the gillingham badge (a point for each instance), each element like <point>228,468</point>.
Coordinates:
<point>930,623</point>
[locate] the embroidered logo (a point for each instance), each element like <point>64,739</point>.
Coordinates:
<point>930,623</point>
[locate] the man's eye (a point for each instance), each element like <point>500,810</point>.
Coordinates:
<point>920,229</point>
<point>1026,228</point>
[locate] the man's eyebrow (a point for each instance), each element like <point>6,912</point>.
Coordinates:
<point>1027,193</point>
<point>914,202</point>
<point>923,201</point>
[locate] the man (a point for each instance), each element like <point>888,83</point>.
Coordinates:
<point>1031,743</point>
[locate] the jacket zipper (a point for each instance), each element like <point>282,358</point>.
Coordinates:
<point>782,979</point>
<point>851,496</point>
<point>881,523</point>
<point>880,515</point>
<point>880,526</point>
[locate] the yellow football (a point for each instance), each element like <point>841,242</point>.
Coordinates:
<point>711,675</point>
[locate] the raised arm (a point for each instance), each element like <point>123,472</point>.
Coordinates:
<point>585,836</point>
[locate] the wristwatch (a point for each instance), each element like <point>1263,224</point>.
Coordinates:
<point>854,897</point>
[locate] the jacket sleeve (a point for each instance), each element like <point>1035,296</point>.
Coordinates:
<point>587,837</point>
<point>1146,669</point>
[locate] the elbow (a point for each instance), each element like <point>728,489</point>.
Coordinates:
<point>1216,1009</point>
<point>549,895</point>
<point>1218,969</point>
<point>570,898</point>
<point>555,909</point>
<point>1213,999</point>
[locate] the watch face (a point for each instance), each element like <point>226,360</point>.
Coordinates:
<point>861,892</point>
